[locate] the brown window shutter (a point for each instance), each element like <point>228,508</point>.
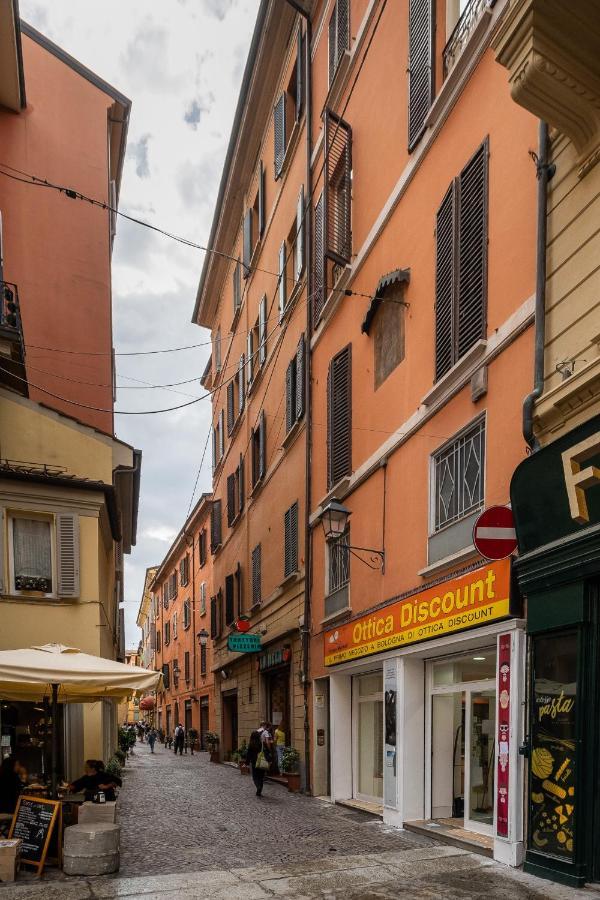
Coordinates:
<point>291,540</point>
<point>215,525</point>
<point>237,287</point>
<point>261,199</point>
<point>231,510</point>
<point>339,416</point>
<point>290,395</point>
<point>219,611</point>
<point>229,607</point>
<point>299,74</point>
<point>242,484</point>
<point>213,618</point>
<point>186,666</point>
<point>230,407</point>
<point>318,262</point>
<point>300,379</point>
<point>444,284</point>
<point>256,575</point>
<point>279,133</point>
<point>472,251</point>
<point>247,242</point>
<point>420,66</point>
<point>238,589</point>
<point>338,189</point>
<point>262,444</point>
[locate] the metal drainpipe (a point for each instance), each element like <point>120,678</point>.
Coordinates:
<point>544,174</point>
<point>305,630</point>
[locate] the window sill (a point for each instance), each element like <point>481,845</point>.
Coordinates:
<point>337,85</point>
<point>337,616</point>
<point>292,578</point>
<point>293,433</point>
<point>36,597</point>
<point>448,382</point>
<point>257,487</point>
<point>334,298</point>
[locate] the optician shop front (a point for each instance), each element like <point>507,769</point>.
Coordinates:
<point>425,710</point>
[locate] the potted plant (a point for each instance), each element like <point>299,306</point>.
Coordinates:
<point>192,737</point>
<point>241,755</point>
<point>212,743</point>
<point>290,766</point>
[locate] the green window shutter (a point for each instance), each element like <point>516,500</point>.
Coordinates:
<point>67,546</point>
<point>420,66</point>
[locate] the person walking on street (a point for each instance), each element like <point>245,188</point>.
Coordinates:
<point>152,739</point>
<point>279,738</point>
<point>256,759</point>
<point>179,739</point>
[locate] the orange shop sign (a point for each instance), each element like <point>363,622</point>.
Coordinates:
<point>477,598</point>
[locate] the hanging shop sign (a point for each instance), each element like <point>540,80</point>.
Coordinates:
<point>274,658</point>
<point>494,533</point>
<point>503,726</point>
<point>477,598</point>
<point>243,643</point>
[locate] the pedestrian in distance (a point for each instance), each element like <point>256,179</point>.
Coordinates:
<point>179,739</point>
<point>279,740</point>
<point>256,758</point>
<point>152,739</point>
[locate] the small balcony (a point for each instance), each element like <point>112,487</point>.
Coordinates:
<point>12,345</point>
<point>473,19</point>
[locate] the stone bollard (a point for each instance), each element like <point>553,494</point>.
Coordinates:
<point>91,849</point>
<point>97,812</point>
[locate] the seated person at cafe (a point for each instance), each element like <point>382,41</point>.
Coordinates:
<point>12,780</point>
<point>96,779</point>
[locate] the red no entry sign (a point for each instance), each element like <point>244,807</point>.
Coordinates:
<point>494,533</point>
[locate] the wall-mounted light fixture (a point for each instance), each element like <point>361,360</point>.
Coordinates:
<point>334,519</point>
<point>203,637</point>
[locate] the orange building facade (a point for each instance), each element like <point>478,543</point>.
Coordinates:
<point>424,198</point>
<point>180,592</point>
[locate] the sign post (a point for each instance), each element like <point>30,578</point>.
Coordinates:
<point>494,533</point>
<point>243,643</point>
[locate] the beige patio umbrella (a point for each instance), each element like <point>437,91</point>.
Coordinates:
<point>69,676</point>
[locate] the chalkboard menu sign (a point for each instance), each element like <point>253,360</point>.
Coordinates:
<point>33,822</point>
<point>553,745</point>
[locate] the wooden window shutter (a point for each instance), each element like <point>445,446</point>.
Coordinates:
<point>221,434</point>
<point>261,199</point>
<point>290,395</point>
<point>230,407</point>
<point>250,356</point>
<point>444,283</point>
<point>203,660</point>
<point>241,483</point>
<point>339,416</point>
<point>213,618</point>
<point>241,384</point>
<point>300,234</point>
<point>214,448</point>
<point>279,133</point>
<point>256,575</point>
<point>215,525</point>
<point>262,330</point>
<point>248,246</point>
<point>333,44</point>
<point>300,350</point>
<point>338,189</point>
<point>472,251</point>
<point>67,540</point>
<point>282,280</point>
<point>231,510</point>
<point>219,611</point>
<point>291,540</point>
<point>339,35</point>
<point>229,604</point>
<point>165,674</point>
<point>186,666</point>
<point>420,66</point>
<point>238,589</point>
<point>262,445</point>
<point>237,287</point>
<point>318,262</point>
<point>299,74</point>
<point>202,547</point>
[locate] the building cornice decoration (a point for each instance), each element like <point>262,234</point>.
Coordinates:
<point>555,68</point>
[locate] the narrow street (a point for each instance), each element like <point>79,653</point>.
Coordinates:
<point>191,829</point>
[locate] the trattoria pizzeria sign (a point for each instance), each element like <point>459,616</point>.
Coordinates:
<point>477,598</point>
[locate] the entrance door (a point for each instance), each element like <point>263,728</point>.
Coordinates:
<point>230,723</point>
<point>367,767</point>
<point>203,722</point>
<point>462,713</point>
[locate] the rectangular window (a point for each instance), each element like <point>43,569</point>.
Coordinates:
<point>184,570</point>
<point>166,679</point>
<point>158,637</point>
<point>237,287</point>
<point>165,594</point>
<point>202,548</point>
<point>32,554</point>
<point>186,666</point>
<point>421,67</point>
<point>203,660</point>
<point>256,575</point>
<point>217,350</point>
<point>291,540</point>
<point>338,192</point>
<point>187,617</point>
<point>229,600</point>
<point>458,476</point>
<point>167,633</point>
<point>339,35</point>
<point>339,416</point>
<point>215,525</point>
<point>248,240</point>
<point>241,384</point>
<point>173,585</point>
<point>262,330</point>
<point>231,500</point>
<point>202,598</point>
<point>299,233</point>
<point>294,388</point>
<point>175,673</point>
<point>282,283</point>
<point>258,440</point>
<point>215,624</point>
<point>461,264</point>
<point>388,333</point>
<point>261,199</point>
<point>231,406</point>
<point>339,574</point>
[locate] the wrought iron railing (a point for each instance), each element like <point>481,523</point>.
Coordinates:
<point>462,31</point>
<point>10,316</point>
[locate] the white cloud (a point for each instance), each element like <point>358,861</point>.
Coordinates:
<point>161,533</point>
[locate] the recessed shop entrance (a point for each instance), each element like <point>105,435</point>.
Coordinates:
<point>461,726</point>
<point>367,730</point>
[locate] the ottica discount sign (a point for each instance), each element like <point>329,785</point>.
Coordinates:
<point>480,597</point>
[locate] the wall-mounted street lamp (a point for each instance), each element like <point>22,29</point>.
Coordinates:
<point>203,637</point>
<point>334,519</point>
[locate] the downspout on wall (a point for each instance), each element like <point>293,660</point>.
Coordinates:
<point>544,174</point>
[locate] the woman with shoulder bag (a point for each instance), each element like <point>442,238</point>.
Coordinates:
<point>256,759</point>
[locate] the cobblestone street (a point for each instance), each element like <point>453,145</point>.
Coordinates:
<point>195,830</point>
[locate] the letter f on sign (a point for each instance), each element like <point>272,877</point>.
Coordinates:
<point>578,480</point>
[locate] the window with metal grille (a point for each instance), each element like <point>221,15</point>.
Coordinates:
<point>187,617</point>
<point>421,66</point>
<point>339,562</point>
<point>294,387</point>
<point>215,525</point>
<point>203,660</point>
<point>186,666</point>
<point>202,548</point>
<point>461,264</point>
<point>290,564</point>
<point>339,416</point>
<point>458,476</point>
<point>237,281</point>
<point>259,450</point>
<point>338,189</point>
<point>256,575</point>
<point>229,600</point>
<point>339,35</point>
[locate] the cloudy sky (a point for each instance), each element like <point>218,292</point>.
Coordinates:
<point>181,63</point>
